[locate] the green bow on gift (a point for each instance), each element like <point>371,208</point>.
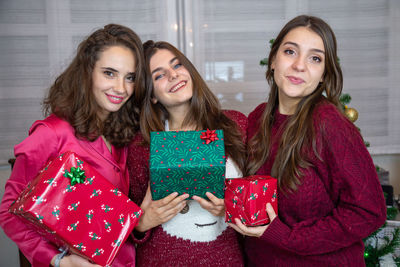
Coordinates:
<point>77,175</point>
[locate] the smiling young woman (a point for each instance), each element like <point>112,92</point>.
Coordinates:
<point>328,191</point>
<point>177,98</point>
<point>113,79</point>
<point>172,83</point>
<point>92,110</point>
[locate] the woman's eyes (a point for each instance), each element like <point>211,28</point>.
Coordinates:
<point>289,51</point>
<point>131,78</point>
<point>177,65</point>
<point>316,59</point>
<point>158,76</point>
<point>108,73</point>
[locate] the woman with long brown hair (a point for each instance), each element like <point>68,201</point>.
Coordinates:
<point>177,99</point>
<point>329,196</point>
<point>93,110</point>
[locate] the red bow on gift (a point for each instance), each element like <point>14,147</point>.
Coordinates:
<point>209,136</point>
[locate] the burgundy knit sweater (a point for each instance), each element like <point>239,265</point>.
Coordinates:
<point>338,203</point>
<point>186,240</point>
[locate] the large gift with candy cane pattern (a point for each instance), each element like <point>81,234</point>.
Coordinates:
<point>247,197</point>
<point>190,162</point>
<point>74,206</point>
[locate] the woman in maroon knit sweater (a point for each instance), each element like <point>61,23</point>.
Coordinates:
<point>178,99</point>
<point>329,195</point>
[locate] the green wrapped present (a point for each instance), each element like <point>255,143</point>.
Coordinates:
<point>190,162</point>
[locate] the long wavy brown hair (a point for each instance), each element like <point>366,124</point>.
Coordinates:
<point>205,110</point>
<point>71,96</point>
<point>298,134</point>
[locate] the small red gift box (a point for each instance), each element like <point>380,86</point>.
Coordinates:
<point>246,199</point>
<point>73,205</point>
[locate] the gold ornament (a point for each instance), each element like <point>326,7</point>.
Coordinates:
<point>351,114</point>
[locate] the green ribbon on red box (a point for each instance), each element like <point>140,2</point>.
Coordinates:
<point>77,175</point>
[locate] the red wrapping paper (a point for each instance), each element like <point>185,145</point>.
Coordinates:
<point>93,218</point>
<point>246,199</point>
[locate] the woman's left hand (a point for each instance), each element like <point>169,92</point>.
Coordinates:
<point>256,231</point>
<point>215,206</point>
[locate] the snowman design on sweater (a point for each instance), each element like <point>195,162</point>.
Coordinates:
<point>199,225</point>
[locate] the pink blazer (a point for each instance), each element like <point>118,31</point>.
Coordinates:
<point>47,139</point>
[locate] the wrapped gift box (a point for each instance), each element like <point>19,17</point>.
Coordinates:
<point>190,162</point>
<point>74,206</point>
<point>246,198</point>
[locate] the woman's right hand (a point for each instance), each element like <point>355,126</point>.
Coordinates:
<point>159,211</point>
<point>256,231</point>
<point>74,260</point>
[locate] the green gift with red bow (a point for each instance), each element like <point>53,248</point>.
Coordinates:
<point>74,206</point>
<point>190,162</point>
<point>247,197</point>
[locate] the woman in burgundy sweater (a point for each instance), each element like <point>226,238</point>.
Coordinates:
<point>329,196</point>
<point>178,99</point>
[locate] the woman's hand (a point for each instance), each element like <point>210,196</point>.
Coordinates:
<point>215,206</point>
<point>256,231</point>
<point>159,211</point>
<point>74,260</point>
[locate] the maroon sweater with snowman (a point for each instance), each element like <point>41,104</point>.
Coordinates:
<point>196,238</point>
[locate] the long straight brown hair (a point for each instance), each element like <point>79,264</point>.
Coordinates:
<point>298,135</point>
<point>205,111</point>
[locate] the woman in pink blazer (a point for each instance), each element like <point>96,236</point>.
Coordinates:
<point>92,108</point>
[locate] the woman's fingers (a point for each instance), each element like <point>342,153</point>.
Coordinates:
<point>237,229</point>
<point>270,211</point>
<point>76,260</point>
<point>166,200</point>
<point>173,204</point>
<point>216,201</point>
<point>174,212</point>
<point>203,203</point>
<point>159,211</point>
<point>171,210</point>
<point>215,206</point>
<point>147,199</point>
<point>256,231</point>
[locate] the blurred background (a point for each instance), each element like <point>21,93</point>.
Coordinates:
<point>225,39</point>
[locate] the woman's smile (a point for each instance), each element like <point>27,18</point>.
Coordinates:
<point>115,99</point>
<point>177,87</point>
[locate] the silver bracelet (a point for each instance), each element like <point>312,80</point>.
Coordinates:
<point>59,257</point>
